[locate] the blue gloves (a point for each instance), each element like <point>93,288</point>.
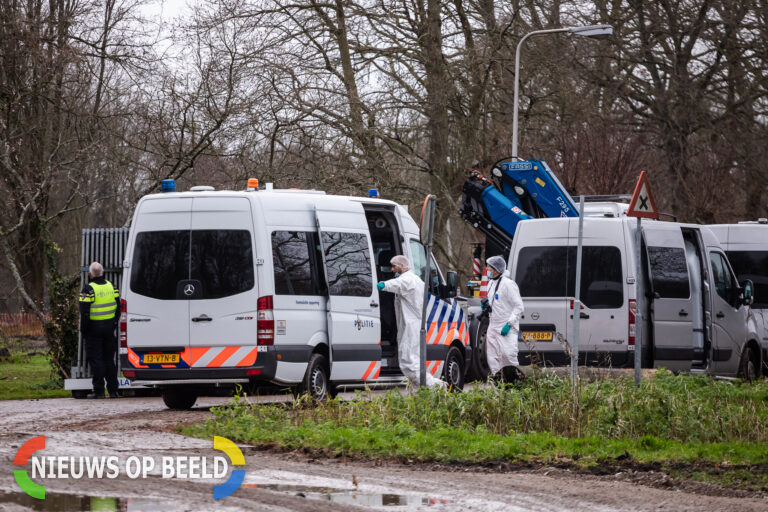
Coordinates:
<point>380,285</point>
<point>505,329</point>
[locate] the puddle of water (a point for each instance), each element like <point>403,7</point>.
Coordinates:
<point>351,497</point>
<point>60,502</point>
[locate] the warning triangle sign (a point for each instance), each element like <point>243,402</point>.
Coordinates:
<point>642,203</point>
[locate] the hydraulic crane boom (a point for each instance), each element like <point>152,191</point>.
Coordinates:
<point>519,191</point>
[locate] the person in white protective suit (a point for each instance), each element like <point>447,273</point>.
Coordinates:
<point>506,308</point>
<point>409,299</point>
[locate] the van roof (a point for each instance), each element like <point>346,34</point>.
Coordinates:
<point>605,209</point>
<point>307,195</point>
<point>592,219</point>
<point>742,236</point>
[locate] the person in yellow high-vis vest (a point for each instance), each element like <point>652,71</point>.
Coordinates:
<point>99,317</point>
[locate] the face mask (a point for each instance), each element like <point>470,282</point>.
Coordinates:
<point>397,274</point>
<point>435,281</point>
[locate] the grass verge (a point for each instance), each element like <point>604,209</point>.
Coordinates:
<point>689,426</point>
<point>24,376</point>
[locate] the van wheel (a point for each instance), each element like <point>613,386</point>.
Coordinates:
<point>747,367</point>
<point>316,381</point>
<point>453,374</point>
<point>179,400</point>
<point>478,368</point>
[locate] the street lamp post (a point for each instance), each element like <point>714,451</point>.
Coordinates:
<point>593,31</point>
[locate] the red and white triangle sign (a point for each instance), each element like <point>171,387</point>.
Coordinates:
<point>642,203</point>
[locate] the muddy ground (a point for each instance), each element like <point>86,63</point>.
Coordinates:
<point>275,481</point>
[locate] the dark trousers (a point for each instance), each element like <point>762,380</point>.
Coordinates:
<point>101,350</point>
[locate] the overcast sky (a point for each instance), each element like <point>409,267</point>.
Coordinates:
<point>168,9</point>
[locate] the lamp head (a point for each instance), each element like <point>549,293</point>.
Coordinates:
<point>593,31</point>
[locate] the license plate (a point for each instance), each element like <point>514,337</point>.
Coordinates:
<point>161,358</point>
<point>537,335</point>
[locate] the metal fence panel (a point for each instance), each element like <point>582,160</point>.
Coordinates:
<point>107,246</point>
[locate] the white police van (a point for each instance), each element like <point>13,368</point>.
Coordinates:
<point>696,312</point>
<point>746,245</point>
<point>222,288</point>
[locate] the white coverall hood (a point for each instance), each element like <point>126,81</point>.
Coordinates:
<point>506,308</point>
<point>497,263</point>
<point>409,299</point>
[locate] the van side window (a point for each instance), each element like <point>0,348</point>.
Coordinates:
<point>542,271</point>
<point>295,272</point>
<point>160,261</point>
<point>669,272</point>
<point>724,284</point>
<point>347,264</point>
<point>222,260</point>
<point>419,255</point>
<point>753,265</point>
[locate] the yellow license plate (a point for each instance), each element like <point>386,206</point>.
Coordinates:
<point>161,358</point>
<point>538,335</point>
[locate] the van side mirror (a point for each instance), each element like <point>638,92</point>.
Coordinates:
<point>451,284</point>
<point>747,292</point>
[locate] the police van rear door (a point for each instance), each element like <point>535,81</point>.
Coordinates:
<point>158,319</point>
<point>223,303</point>
<point>354,325</point>
<point>539,266</point>
<point>603,323</point>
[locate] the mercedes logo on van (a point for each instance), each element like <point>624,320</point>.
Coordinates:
<point>189,290</point>
<point>534,316</point>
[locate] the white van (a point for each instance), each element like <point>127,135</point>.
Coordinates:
<point>694,306</point>
<point>746,245</point>
<point>222,288</point>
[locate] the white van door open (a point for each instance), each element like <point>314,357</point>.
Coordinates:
<point>222,304</point>
<point>354,325</point>
<point>671,303</point>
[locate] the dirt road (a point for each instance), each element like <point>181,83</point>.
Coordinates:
<point>144,427</point>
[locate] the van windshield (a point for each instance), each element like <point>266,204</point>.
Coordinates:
<point>753,265</point>
<point>221,260</point>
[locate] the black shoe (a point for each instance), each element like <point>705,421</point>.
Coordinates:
<point>96,395</point>
<point>114,395</point>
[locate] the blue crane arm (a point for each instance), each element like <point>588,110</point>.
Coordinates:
<point>522,190</point>
<point>542,191</point>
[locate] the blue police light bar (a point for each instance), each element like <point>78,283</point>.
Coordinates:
<point>373,192</point>
<point>168,186</point>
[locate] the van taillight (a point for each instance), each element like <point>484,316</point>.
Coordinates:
<point>632,313</point>
<point>123,323</point>
<point>265,321</point>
